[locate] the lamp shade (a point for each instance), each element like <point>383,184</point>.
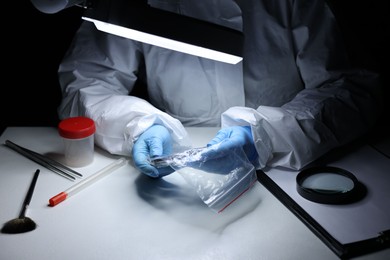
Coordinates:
<point>54,6</point>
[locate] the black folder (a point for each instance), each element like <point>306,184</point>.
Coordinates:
<point>349,230</point>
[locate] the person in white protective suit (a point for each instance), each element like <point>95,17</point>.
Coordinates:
<point>293,98</point>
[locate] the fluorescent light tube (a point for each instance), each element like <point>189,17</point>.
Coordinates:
<point>164,42</point>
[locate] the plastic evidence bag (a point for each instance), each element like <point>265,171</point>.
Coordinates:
<point>219,179</point>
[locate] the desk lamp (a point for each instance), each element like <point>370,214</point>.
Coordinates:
<point>135,19</point>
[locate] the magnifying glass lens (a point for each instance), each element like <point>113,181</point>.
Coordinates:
<point>328,183</point>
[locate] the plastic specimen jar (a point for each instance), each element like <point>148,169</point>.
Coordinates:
<point>78,135</point>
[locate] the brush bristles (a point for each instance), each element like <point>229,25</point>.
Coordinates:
<point>18,225</point>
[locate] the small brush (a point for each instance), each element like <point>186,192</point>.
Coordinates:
<point>22,224</point>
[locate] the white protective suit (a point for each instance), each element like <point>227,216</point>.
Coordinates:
<point>294,86</point>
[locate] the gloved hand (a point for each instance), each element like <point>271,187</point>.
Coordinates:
<point>231,138</point>
<point>155,141</point>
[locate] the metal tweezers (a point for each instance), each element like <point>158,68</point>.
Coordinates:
<point>45,161</point>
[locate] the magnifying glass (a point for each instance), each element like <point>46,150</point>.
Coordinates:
<point>329,185</point>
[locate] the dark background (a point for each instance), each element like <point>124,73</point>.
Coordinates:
<point>34,44</point>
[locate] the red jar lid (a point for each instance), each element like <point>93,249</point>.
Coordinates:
<point>76,127</point>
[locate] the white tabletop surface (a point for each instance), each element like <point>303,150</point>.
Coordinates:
<point>127,215</point>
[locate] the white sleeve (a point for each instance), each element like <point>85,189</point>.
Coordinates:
<point>96,75</point>
<point>280,138</point>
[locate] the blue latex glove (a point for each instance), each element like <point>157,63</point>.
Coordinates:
<point>233,138</point>
<point>155,141</point>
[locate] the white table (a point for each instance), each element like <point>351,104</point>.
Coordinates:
<point>129,216</point>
